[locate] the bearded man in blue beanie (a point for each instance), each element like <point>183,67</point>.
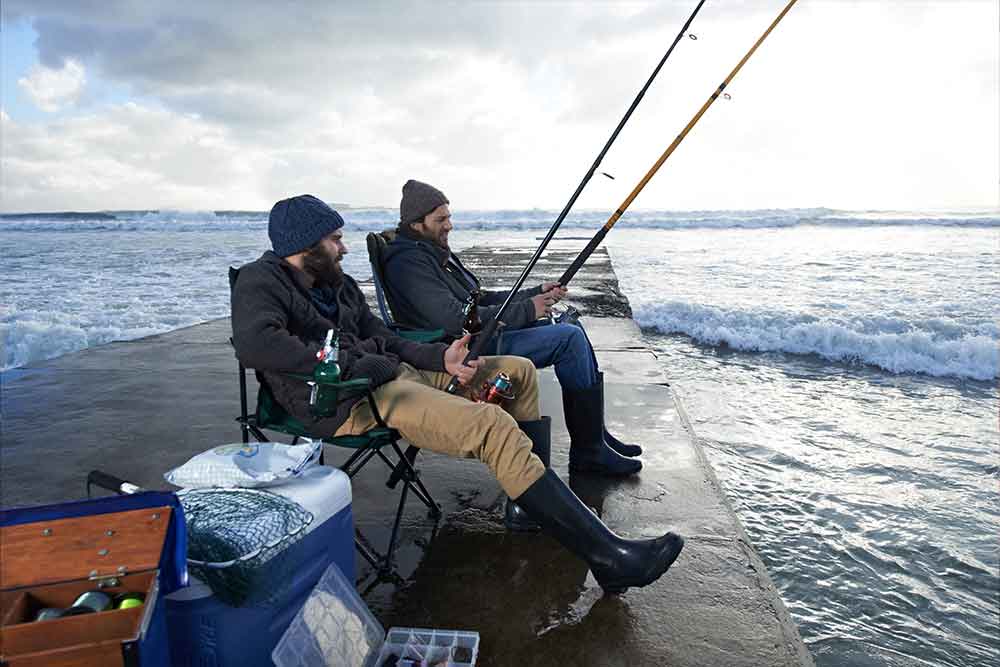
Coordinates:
<point>284,303</point>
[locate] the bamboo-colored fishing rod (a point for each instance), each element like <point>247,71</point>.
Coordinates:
<point>492,326</point>
<point>596,241</point>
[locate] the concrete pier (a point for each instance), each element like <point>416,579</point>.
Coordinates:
<point>138,408</point>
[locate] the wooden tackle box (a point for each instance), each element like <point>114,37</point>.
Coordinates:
<point>50,555</point>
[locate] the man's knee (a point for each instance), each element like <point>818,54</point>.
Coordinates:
<point>505,448</point>
<point>573,333</point>
<point>521,369</point>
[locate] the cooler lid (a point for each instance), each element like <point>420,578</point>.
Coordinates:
<point>94,538</point>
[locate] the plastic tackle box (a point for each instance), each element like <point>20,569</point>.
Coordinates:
<point>422,647</point>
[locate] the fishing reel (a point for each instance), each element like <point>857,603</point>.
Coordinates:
<point>499,389</point>
<point>569,316</point>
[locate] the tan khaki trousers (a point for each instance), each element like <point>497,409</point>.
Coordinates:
<point>416,405</point>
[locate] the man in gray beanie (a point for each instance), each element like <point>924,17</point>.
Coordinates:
<point>284,303</point>
<point>428,287</point>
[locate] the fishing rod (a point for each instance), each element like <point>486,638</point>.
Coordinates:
<point>596,241</point>
<point>490,328</point>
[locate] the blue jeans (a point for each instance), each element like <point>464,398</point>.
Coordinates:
<point>564,346</point>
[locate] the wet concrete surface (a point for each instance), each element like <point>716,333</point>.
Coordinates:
<point>139,408</point>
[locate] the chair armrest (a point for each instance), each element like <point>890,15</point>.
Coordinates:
<point>347,385</point>
<point>420,335</point>
<point>354,383</point>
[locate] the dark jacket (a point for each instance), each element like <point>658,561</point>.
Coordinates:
<point>428,287</point>
<point>277,329</point>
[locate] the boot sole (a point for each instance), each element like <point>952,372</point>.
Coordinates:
<point>619,587</point>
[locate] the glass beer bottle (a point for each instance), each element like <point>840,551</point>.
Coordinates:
<point>324,399</point>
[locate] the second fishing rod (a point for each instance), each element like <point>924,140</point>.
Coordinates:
<point>491,327</point>
<point>620,211</point>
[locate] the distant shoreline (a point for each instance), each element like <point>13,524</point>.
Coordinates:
<point>116,214</point>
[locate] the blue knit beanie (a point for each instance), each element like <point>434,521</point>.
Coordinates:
<point>297,223</point>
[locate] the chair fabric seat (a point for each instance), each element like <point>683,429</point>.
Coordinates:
<point>273,417</point>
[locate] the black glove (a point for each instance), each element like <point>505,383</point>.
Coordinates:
<point>377,368</point>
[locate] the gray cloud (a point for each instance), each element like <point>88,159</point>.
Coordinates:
<point>505,103</point>
<point>295,52</point>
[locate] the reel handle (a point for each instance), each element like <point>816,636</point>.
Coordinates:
<point>111,483</point>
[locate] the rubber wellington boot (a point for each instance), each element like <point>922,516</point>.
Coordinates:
<point>540,432</point>
<point>611,441</point>
<point>617,563</point>
<point>584,412</point>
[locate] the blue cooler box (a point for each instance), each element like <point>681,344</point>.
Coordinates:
<point>205,632</point>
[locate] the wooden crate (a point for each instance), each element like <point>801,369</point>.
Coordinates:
<point>50,563</point>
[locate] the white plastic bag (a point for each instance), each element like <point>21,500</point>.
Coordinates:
<point>248,465</point>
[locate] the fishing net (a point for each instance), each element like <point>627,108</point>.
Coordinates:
<point>239,539</point>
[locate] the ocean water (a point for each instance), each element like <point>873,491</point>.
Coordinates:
<point>840,367</point>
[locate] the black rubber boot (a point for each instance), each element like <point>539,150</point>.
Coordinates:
<point>584,412</point>
<point>611,441</point>
<point>540,432</point>
<point>617,563</point>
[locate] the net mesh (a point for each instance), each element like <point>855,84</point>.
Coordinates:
<point>239,539</point>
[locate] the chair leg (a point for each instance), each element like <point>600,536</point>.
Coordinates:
<point>243,403</point>
<point>406,476</point>
<point>366,550</point>
<point>399,469</point>
<point>257,433</point>
<point>387,564</point>
<point>346,465</point>
<point>365,454</point>
<point>383,564</point>
<point>420,490</point>
<point>411,480</point>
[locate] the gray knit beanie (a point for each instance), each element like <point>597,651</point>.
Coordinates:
<point>418,200</point>
<point>297,223</point>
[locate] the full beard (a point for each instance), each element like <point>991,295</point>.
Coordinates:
<point>324,268</point>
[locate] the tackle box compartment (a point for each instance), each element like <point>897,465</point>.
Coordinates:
<point>424,647</point>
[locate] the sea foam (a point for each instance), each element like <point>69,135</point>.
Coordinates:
<point>933,347</point>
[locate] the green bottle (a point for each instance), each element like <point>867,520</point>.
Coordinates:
<point>324,399</point>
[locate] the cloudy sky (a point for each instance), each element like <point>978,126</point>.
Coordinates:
<point>861,104</point>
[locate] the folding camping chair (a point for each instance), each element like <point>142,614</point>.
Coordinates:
<point>376,242</point>
<point>268,415</point>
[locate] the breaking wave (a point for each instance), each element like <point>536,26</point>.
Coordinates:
<point>939,348</point>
